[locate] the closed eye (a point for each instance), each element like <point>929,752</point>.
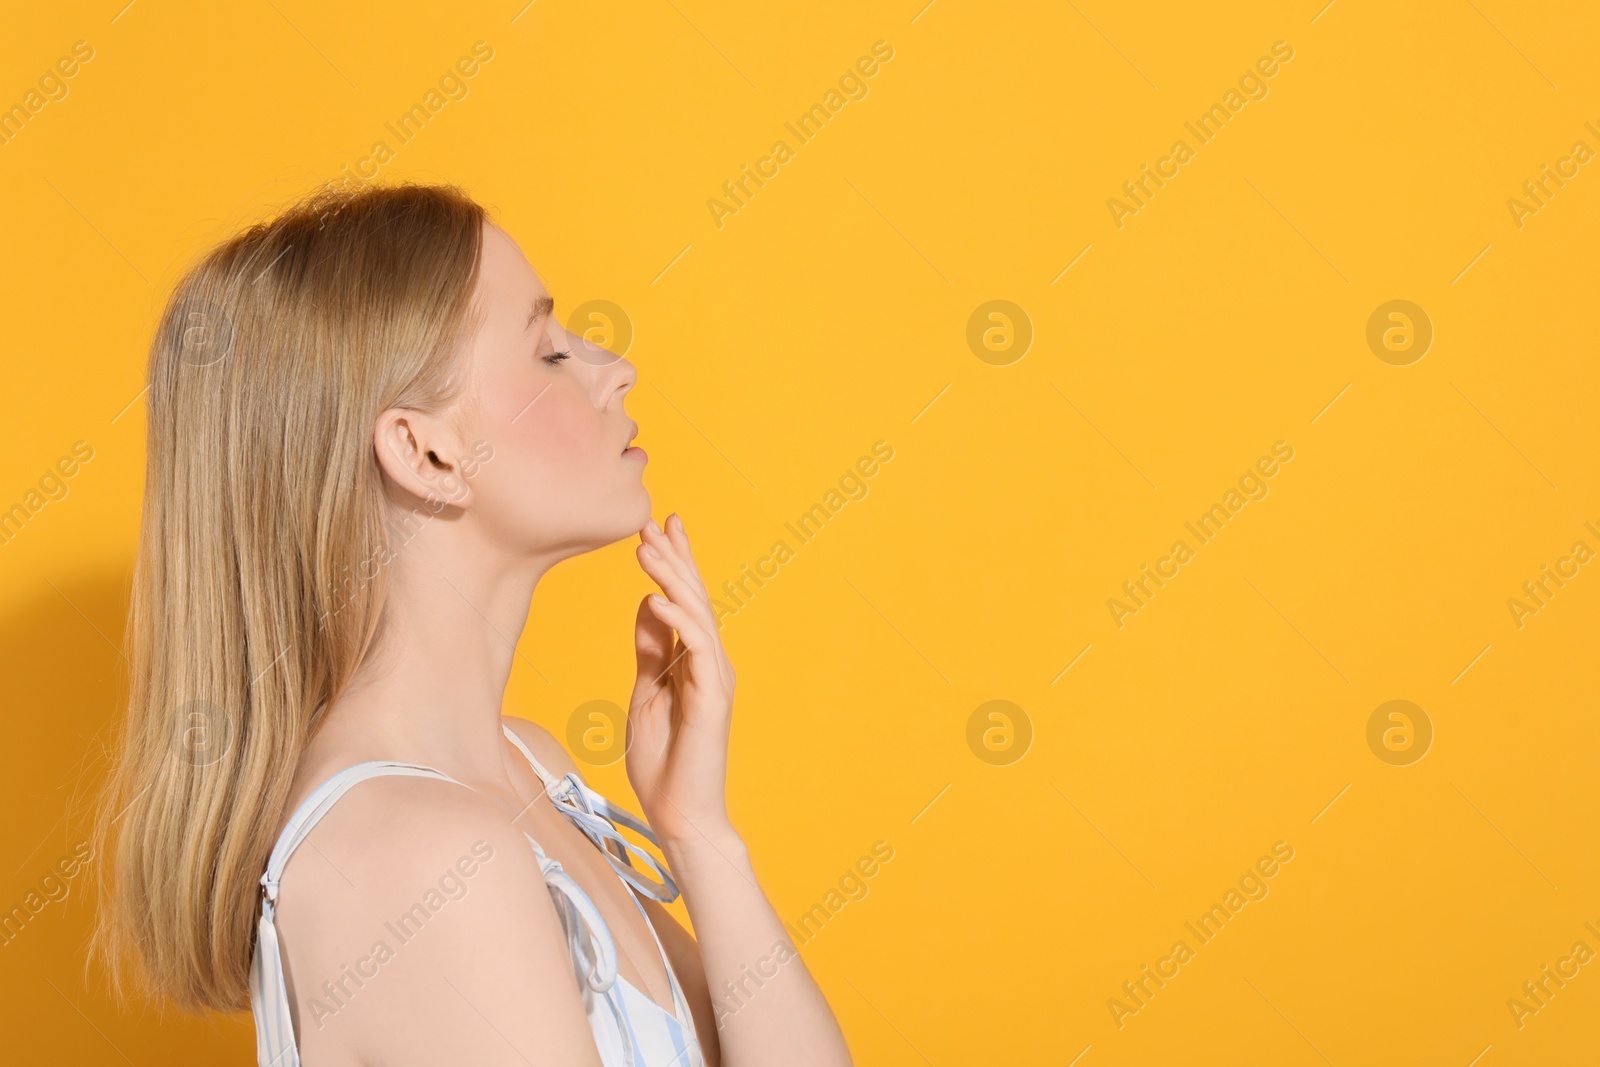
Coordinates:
<point>556,357</point>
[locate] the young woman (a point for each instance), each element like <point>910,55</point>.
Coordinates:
<point>369,438</point>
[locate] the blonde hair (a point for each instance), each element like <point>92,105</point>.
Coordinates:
<point>254,599</point>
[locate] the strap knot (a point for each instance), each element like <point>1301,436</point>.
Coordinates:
<point>597,819</point>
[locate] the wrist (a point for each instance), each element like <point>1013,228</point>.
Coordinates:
<point>697,844</point>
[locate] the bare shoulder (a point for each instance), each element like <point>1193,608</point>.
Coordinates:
<point>400,826</point>
<point>417,928</point>
<point>546,749</point>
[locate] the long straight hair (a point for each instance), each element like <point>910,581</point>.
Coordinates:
<point>255,593</point>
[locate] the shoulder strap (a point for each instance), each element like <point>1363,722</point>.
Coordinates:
<point>316,806</point>
<point>538,768</point>
<point>269,997</point>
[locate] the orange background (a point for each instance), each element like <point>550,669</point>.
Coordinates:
<point>830,312</point>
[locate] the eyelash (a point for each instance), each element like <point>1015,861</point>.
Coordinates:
<point>556,357</point>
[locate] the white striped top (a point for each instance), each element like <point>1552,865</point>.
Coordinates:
<point>629,1027</point>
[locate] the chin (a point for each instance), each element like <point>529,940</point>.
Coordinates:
<point>642,511</point>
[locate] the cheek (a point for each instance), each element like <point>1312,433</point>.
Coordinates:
<point>559,440</point>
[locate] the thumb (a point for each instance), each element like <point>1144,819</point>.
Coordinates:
<point>652,641</point>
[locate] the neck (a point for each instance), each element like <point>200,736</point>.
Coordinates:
<point>431,690</point>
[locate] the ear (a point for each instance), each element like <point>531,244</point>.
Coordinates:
<point>419,453</point>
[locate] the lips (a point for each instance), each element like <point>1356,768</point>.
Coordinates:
<point>634,432</point>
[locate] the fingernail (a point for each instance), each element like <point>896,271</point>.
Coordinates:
<point>649,550</point>
<point>654,527</point>
<point>658,598</point>
<point>679,519</point>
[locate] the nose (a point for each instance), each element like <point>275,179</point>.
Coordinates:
<point>623,376</point>
<point>613,375</point>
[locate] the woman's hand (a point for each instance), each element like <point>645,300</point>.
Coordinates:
<point>677,760</point>
<point>682,704</point>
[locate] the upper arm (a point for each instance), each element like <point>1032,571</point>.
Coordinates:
<point>417,929</point>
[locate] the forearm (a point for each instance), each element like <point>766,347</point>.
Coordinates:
<point>769,1010</point>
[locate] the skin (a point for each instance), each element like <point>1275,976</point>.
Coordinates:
<point>487,979</point>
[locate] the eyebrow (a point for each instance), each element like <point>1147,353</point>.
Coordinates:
<point>542,306</point>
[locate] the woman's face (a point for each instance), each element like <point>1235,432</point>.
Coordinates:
<point>561,476</point>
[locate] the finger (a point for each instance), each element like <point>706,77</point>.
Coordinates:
<point>674,584</point>
<point>697,644</point>
<point>652,640</point>
<point>658,539</point>
<point>680,538</point>
<point>692,635</point>
<point>693,589</point>
<point>704,611</point>
<point>699,603</point>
